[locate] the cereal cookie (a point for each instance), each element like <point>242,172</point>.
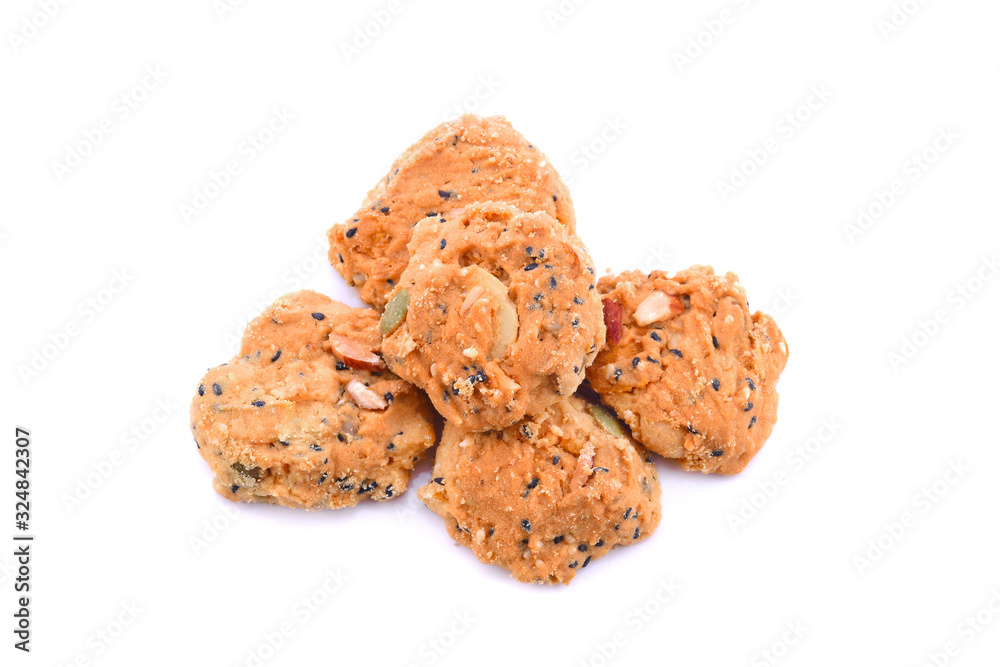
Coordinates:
<point>306,415</point>
<point>546,496</point>
<point>688,367</point>
<point>496,315</point>
<point>460,162</point>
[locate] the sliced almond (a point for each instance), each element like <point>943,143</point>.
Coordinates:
<point>354,354</point>
<point>506,330</point>
<point>365,397</point>
<point>657,306</point>
<point>473,296</point>
<point>584,467</point>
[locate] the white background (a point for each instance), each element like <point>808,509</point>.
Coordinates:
<point>647,195</point>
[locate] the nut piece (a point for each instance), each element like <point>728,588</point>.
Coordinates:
<point>506,330</point>
<point>355,355</point>
<point>474,295</point>
<point>493,293</point>
<point>657,306</point>
<point>584,467</point>
<point>365,397</point>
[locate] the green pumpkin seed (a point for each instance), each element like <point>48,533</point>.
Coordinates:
<point>395,312</point>
<point>606,419</point>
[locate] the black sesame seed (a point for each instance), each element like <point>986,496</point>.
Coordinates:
<point>552,282</point>
<point>573,564</point>
<point>750,384</point>
<point>677,353</point>
<point>715,342</point>
<point>599,543</point>
<point>576,321</point>
<point>277,355</point>
<point>351,232</point>
<point>652,360</point>
<point>526,430</point>
<point>627,513</point>
<point>616,526</point>
<point>585,563</point>
<point>341,366</point>
<point>322,478</point>
<point>635,362</point>
<point>524,541</point>
<point>556,460</point>
<point>526,525</point>
<point>388,491</point>
<point>385,210</point>
<point>577,300</point>
<point>283,442</point>
<point>533,483</point>
<point>717,452</point>
<point>234,488</point>
<point>749,407</point>
<point>258,404</point>
<point>340,436</point>
<point>692,431</point>
<point>635,535</point>
<point>388,397</point>
<point>531,267</point>
<point>582,547</point>
<point>576,369</point>
<point>444,242</point>
<point>431,215</point>
<point>753,420</point>
<point>367,486</point>
<point>444,194</point>
<point>216,389</point>
<point>492,530</point>
<point>716,384</point>
<point>655,336</point>
<point>315,448</point>
<point>391,445</point>
<point>340,257</point>
<point>481,376</point>
<point>439,480</point>
<point>618,373</point>
<point>346,487</point>
<point>201,390</point>
<point>318,316</point>
<point>600,469</point>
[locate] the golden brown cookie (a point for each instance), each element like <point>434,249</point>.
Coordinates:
<point>688,367</point>
<point>545,497</point>
<point>460,162</point>
<point>306,415</point>
<point>496,316</point>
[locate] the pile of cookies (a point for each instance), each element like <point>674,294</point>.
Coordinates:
<point>486,310</point>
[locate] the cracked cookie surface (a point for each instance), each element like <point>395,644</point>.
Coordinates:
<point>496,316</point>
<point>545,497</point>
<point>306,415</point>
<point>688,367</point>
<point>460,162</point>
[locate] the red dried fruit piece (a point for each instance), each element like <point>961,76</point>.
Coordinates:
<point>613,319</point>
